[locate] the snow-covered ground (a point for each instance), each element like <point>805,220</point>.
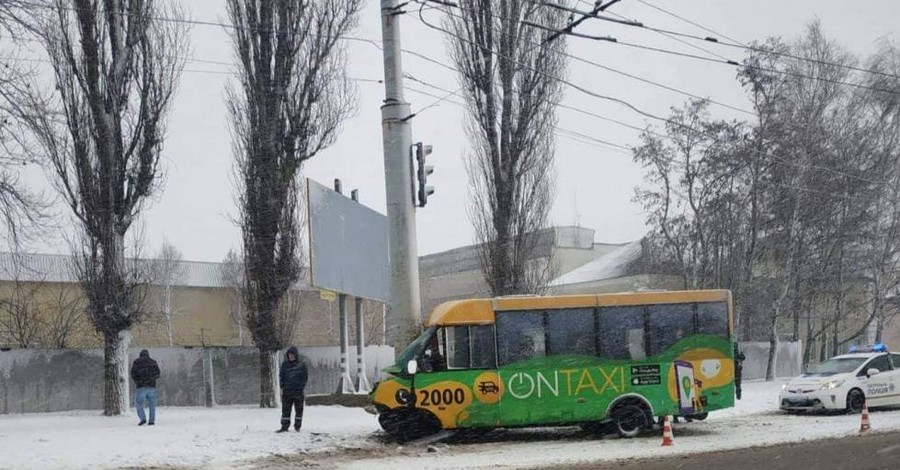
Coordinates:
<point>189,437</point>
<point>233,436</point>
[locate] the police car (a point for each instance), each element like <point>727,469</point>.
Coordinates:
<point>868,375</point>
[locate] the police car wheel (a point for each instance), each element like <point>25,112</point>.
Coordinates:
<point>855,400</point>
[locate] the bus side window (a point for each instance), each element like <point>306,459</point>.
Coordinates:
<point>571,331</point>
<point>621,333</point>
<point>484,354</point>
<point>712,318</point>
<point>520,335</point>
<point>669,324</point>
<point>457,347</point>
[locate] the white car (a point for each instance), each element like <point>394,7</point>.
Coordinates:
<point>845,382</point>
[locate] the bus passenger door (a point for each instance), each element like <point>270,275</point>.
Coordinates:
<point>458,381</point>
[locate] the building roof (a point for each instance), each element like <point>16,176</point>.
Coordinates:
<point>610,266</point>
<point>38,267</point>
<point>467,258</point>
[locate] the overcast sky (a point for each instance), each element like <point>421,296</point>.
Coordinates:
<point>594,184</point>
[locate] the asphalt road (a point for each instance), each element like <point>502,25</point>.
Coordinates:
<point>869,452</point>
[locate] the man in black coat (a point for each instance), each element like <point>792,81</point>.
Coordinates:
<point>144,372</point>
<point>292,376</point>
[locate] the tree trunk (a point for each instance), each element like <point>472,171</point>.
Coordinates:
<point>110,376</point>
<point>773,346</point>
<point>879,322</point>
<point>267,378</point>
<point>823,348</point>
<point>276,384</point>
<point>835,343</point>
<point>808,347</point>
<point>122,367</point>
<point>115,373</point>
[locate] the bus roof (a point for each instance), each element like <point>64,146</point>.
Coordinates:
<point>481,311</point>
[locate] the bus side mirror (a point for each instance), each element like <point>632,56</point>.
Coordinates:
<point>412,367</point>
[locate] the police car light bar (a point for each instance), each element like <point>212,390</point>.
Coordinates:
<point>878,347</point>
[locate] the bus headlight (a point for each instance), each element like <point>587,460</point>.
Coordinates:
<point>831,385</point>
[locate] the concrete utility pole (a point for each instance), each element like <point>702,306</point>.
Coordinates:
<point>404,317</point>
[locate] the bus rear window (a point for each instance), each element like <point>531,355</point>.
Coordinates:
<point>669,324</point>
<point>712,318</point>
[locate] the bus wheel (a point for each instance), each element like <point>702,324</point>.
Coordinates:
<point>629,419</point>
<point>699,416</point>
<point>407,424</point>
<point>395,421</point>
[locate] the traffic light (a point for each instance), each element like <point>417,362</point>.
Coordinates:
<point>422,172</point>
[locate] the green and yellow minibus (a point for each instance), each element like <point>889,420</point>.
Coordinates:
<point>609,360</point>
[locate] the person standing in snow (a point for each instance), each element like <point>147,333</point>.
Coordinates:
<point>292,377</point>
<point>144,372</point>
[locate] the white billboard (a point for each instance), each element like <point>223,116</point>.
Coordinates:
<point>348,244</point>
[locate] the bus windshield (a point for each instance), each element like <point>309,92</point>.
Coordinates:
<point>412,351</point>
<point>836,366</point>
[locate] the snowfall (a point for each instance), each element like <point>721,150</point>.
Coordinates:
<point>349,438</point>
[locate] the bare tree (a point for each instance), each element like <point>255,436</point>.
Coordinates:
<point>292,97</point>
<point>287,318</point>
<point>115,66</point>
<point>22,211</point>
<point>169,271</point>
<point>508,72</point>
<point>20,317</point>
<point>14,14</point>
<point>64,315</point>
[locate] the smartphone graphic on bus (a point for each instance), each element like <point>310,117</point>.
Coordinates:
<point>684,377</point>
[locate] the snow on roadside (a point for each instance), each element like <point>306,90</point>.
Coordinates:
<point>755,421</point>
<point>226,437</point>
<point>191,437</point>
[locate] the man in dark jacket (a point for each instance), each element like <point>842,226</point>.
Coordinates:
<point>292,376</point>
<point>144,372</point>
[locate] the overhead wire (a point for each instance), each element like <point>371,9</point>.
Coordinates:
<point>674,38</point>
<point>733,44</point>
<point>557,127</point>
<point>374,42</point>
<point>631,106</point>
<point>424,57</point>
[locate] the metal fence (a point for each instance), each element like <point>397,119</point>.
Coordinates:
<point>41,380</point>
<point>788,359</point>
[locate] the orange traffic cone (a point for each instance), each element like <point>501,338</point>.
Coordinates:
<point>864,426</point>
<point>667,432</point>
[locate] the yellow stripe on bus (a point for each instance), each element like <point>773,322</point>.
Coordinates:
<point>481,311</point>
